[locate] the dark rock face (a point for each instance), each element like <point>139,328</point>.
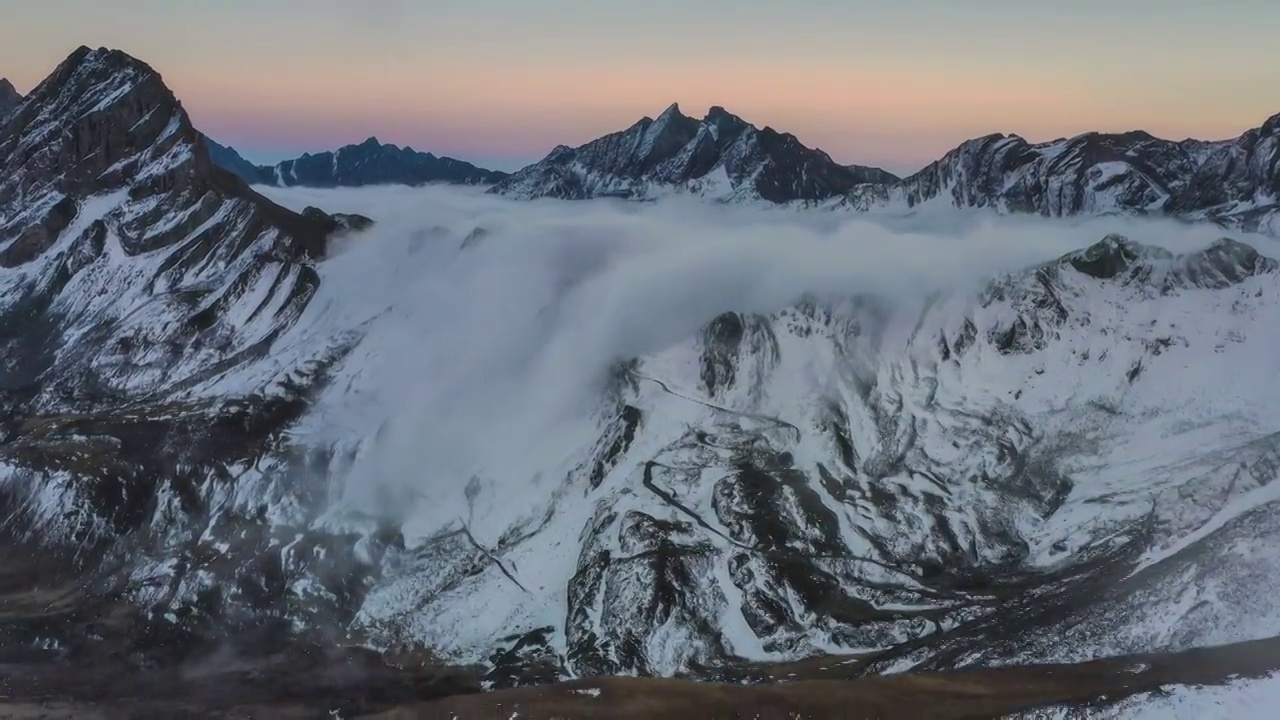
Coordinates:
<point>10,98</point>
<point>1234,182</point>
<point>338,223</point>
<point>228,159</point>
<point>719,156</point>
<point>375,163</point>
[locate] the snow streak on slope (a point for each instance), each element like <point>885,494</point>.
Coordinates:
<point>1245,699</point>
<point>643,439</point>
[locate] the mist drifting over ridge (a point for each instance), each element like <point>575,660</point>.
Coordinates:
<point>493,325</point>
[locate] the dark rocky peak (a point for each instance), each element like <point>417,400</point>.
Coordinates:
<point>559,151</point>
<point>99,107</point>
<point>104,122</point>
<point>142,259</point>
<point>725,125</point>
<point>661,140</point>
<point>338,223</point>
<point>371,143</point>
<point>1272,125</point>
<point>1224,263</point>
<point>718,115</point>
<point>676,151</point>
<point>1110,257</point>
<point>671,113</point>
<point>10,98</point>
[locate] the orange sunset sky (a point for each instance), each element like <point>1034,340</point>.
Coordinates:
<point>501,82</point>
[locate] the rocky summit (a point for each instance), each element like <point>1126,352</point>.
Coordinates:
<point>139,281</point>
<point>10,98</point>
<point>1046,489</point>
<point>721,156</point>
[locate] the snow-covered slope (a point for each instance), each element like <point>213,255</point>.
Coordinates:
<point>1235,183</point>
<point>949,477</point>
<point>721,157</point>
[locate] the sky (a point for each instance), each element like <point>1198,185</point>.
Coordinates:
<point>501,82</point>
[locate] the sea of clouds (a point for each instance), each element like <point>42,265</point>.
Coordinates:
<point>491,324</point>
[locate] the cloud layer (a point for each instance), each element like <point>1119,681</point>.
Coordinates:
<point>492,324</point>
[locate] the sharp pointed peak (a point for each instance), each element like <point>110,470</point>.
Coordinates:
<point>672,110</point>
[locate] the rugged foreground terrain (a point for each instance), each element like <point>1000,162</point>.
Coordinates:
<point>258,455</point>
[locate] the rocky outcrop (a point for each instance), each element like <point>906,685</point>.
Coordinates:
<point>721,156</point>
<point>10,98</point>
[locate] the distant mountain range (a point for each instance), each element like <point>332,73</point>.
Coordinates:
<point>369,163</point>
<point>1234,183</point>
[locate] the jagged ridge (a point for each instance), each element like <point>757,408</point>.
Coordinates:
<point>368,163</point>
<point>1234,183</point>
<point>720,156</point>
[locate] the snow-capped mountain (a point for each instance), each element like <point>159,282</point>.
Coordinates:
<point>9,98</point>
<point>721,156</point>
<point>470,441</point>
<point>143,291</point>
<point>368,163</point>
<point>1235,183</point>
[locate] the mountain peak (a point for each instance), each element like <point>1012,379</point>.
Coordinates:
<point>720,118</point>
<point>1271,125</point>
<point>676,151</point>
<point>10,98</point>
<point>104,121</point>
<point>371,142</point>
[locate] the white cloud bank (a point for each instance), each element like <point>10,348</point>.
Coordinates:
<point>491,355</point>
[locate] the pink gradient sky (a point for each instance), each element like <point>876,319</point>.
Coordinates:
<point>501,82</point>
